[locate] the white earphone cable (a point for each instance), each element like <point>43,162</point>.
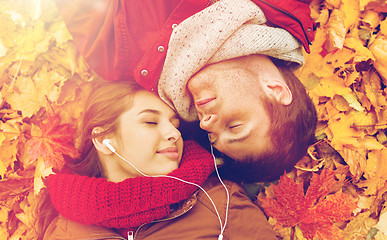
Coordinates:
<point>227,193</point>
<point>222,227</point>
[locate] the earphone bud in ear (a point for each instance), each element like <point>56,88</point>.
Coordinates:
<point>108,144</point>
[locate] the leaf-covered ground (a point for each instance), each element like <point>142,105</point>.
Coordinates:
<point>337,191</point>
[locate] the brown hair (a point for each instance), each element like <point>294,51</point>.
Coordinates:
<point>291,132</point>
<point>105,104</point>
<point>103,108</point>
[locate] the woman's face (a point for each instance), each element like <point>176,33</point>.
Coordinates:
<point>147,136</point>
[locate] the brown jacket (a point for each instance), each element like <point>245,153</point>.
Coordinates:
<point>194,219</point>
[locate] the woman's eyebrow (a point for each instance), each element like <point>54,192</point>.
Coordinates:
<point>149,111</point>
<point>154,111</point>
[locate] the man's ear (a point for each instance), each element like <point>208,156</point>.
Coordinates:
<point>98,144</point>
<point>278,90</point>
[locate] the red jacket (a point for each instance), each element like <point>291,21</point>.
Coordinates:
<point>123,40</point>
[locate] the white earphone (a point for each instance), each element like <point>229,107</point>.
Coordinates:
<point>108,144</point>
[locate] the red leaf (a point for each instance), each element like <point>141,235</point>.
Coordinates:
<point>288,205</point>
<point>320,186</point>
<point>316,212</point>
<point>56,140</point>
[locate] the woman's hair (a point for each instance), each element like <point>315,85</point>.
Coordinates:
<point>105,104</point>
<point>102,109</point>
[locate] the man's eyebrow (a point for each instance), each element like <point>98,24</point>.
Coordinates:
<point>240,138</point>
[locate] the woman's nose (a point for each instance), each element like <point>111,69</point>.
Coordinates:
<point>173,134</point>
<point>207,122</point>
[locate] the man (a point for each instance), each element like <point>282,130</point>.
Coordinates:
<point>193,40</point>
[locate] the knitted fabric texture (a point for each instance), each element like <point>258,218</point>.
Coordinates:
<point>130,203</point>
<point>224,30</point>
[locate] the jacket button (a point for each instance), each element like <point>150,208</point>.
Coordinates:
<point>144,72</point>
<point>174,26</point>
<point>160,49</point>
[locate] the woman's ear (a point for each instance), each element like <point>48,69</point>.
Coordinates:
<point>98,142</point>
<point>278,90</point>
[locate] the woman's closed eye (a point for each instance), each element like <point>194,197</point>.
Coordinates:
<point>151,122</point>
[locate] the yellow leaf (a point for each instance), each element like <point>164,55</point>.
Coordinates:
<point>298,234</point>
<point>329,87</point>
<point>371,143</point>
<point>8,152</point>
<point>363,3</point>
<point>365,202</point>
<point>3,49</point>
<point>26,97</point>
<point>355,158</point>
<point>336,31</point>
<point>363,54</point>
<point>313,60</point>
<point>40,172</point>
<point>382,118</point>
<point>344,128</point>
<point>4,232</point>
<point>353,101</point>
<point>4,213</point>
<point>3,169</point>
<point>376,166</point>
<point>340,103</point>
<point>321,16</point>
<point>371,18</point>
<point>30,95</point>
<point>60,32</point>
<point>383,27</point>
<point>382,137</point>
<point>380,236</point>
<point>2,138</point>
<point>331,111</point>
<point>373,90</point>
<point>379,49</point>
<point>351,9</point>
<point>339,58</point>
<point>382,224</point>
<point>334,3</point>
<point>358,228</point>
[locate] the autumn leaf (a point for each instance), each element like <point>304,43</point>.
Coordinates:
<point>315,212</point>
<point>56,140</point>
<point>379,50</point>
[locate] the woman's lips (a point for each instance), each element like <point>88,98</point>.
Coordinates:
<point>170,152</point>
<point>203,102</point>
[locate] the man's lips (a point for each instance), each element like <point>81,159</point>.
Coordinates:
<point>203,102</point>
<point>170,152</point>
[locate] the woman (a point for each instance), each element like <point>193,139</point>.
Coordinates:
<point>143,130</point>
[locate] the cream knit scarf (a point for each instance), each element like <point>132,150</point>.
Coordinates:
<point>224,30</point>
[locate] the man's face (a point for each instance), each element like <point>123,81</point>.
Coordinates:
<point>227,97</point>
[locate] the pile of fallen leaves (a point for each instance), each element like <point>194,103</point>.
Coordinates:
<point>337,191</point>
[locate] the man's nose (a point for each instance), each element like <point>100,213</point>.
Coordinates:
<point>208,121</point>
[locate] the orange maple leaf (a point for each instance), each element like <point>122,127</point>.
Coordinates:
<point>56,141</point>
<point>315,212</point>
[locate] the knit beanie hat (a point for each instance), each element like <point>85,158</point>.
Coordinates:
<point>225,30</point>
